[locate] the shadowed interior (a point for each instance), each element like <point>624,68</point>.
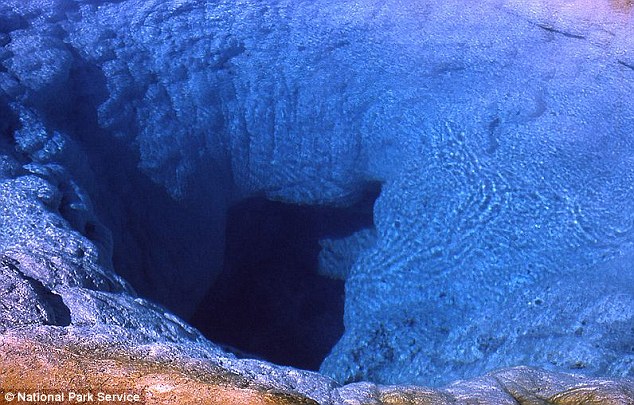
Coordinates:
<point>269,301</point>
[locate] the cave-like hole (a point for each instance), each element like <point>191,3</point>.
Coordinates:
<point>269,301</point>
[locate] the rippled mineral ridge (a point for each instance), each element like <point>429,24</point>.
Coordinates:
<point>500,132</point>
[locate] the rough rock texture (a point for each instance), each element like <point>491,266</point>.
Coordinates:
<point>500,130</point>
<point>503,211</point>
<point>55,361</point>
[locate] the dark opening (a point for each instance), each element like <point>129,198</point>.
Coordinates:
<point>269,301</point>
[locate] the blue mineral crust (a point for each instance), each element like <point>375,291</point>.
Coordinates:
<point>495,138</point>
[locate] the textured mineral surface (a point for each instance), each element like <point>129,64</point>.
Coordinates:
<point>53,361</point>
<point>499,133</point>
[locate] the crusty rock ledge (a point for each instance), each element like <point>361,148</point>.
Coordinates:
<point>54,359</point>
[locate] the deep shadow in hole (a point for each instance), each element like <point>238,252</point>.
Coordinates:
<point>269,301</point>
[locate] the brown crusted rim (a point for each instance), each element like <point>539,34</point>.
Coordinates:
<point>53,365</point>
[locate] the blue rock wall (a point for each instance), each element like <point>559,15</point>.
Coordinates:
<point>501,132</point>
